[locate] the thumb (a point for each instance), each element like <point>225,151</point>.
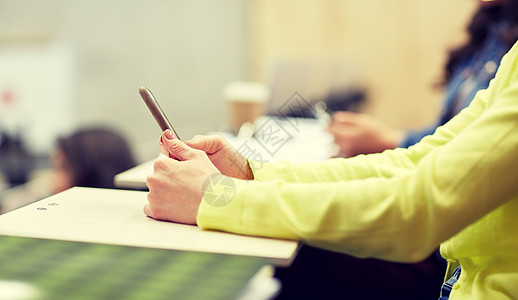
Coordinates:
<point>208,144</point>
<point>177,148</point>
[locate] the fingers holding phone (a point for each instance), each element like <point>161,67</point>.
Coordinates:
<point>166,135</point>
<point>174,148</point>
<point>225,157</point>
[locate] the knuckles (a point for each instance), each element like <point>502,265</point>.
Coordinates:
<point>151,181</point>
<point>157,164</point>
<point>161,164</point>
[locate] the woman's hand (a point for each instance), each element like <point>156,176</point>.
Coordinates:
<point>362,134</point>
<point>227,159</point>
<point>176,186</point>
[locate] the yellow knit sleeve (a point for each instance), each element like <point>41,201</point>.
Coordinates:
<point>398,205</point>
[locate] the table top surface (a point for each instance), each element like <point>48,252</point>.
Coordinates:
<point>116,217</point>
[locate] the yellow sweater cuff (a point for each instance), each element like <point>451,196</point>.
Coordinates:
<point>221,206</point>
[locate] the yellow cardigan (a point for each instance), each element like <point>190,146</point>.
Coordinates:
<point>458,187</point>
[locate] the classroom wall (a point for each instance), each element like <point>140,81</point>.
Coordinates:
<point>184,51</point>
<point>396,48</point>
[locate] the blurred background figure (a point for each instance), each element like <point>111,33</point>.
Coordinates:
<point>90,157</point>
<point>492,31</point>
<point>15,161</point>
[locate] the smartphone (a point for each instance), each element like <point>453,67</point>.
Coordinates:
<point>156,110</point>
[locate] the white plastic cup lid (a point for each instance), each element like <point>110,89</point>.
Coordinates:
<point>245,91</point>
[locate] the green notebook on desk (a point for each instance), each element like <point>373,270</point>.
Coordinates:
<point>33,268</point>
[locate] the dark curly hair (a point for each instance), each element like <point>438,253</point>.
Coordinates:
<point>502,11</point>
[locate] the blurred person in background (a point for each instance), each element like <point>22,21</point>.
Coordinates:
<point>318,273</point>
<point>90,157</point>
<point>16,162</point>
<point>492,31</point>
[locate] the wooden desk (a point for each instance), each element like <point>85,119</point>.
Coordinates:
<point>116,217</point>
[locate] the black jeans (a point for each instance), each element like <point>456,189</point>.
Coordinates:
<point>321,274</point>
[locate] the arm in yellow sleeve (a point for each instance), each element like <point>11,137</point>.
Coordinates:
<point>386,164</point>
<point>462,172</point>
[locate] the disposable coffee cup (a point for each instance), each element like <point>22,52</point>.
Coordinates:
<point>246,102</point>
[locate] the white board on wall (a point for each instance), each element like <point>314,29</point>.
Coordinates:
<point>37,83</point>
